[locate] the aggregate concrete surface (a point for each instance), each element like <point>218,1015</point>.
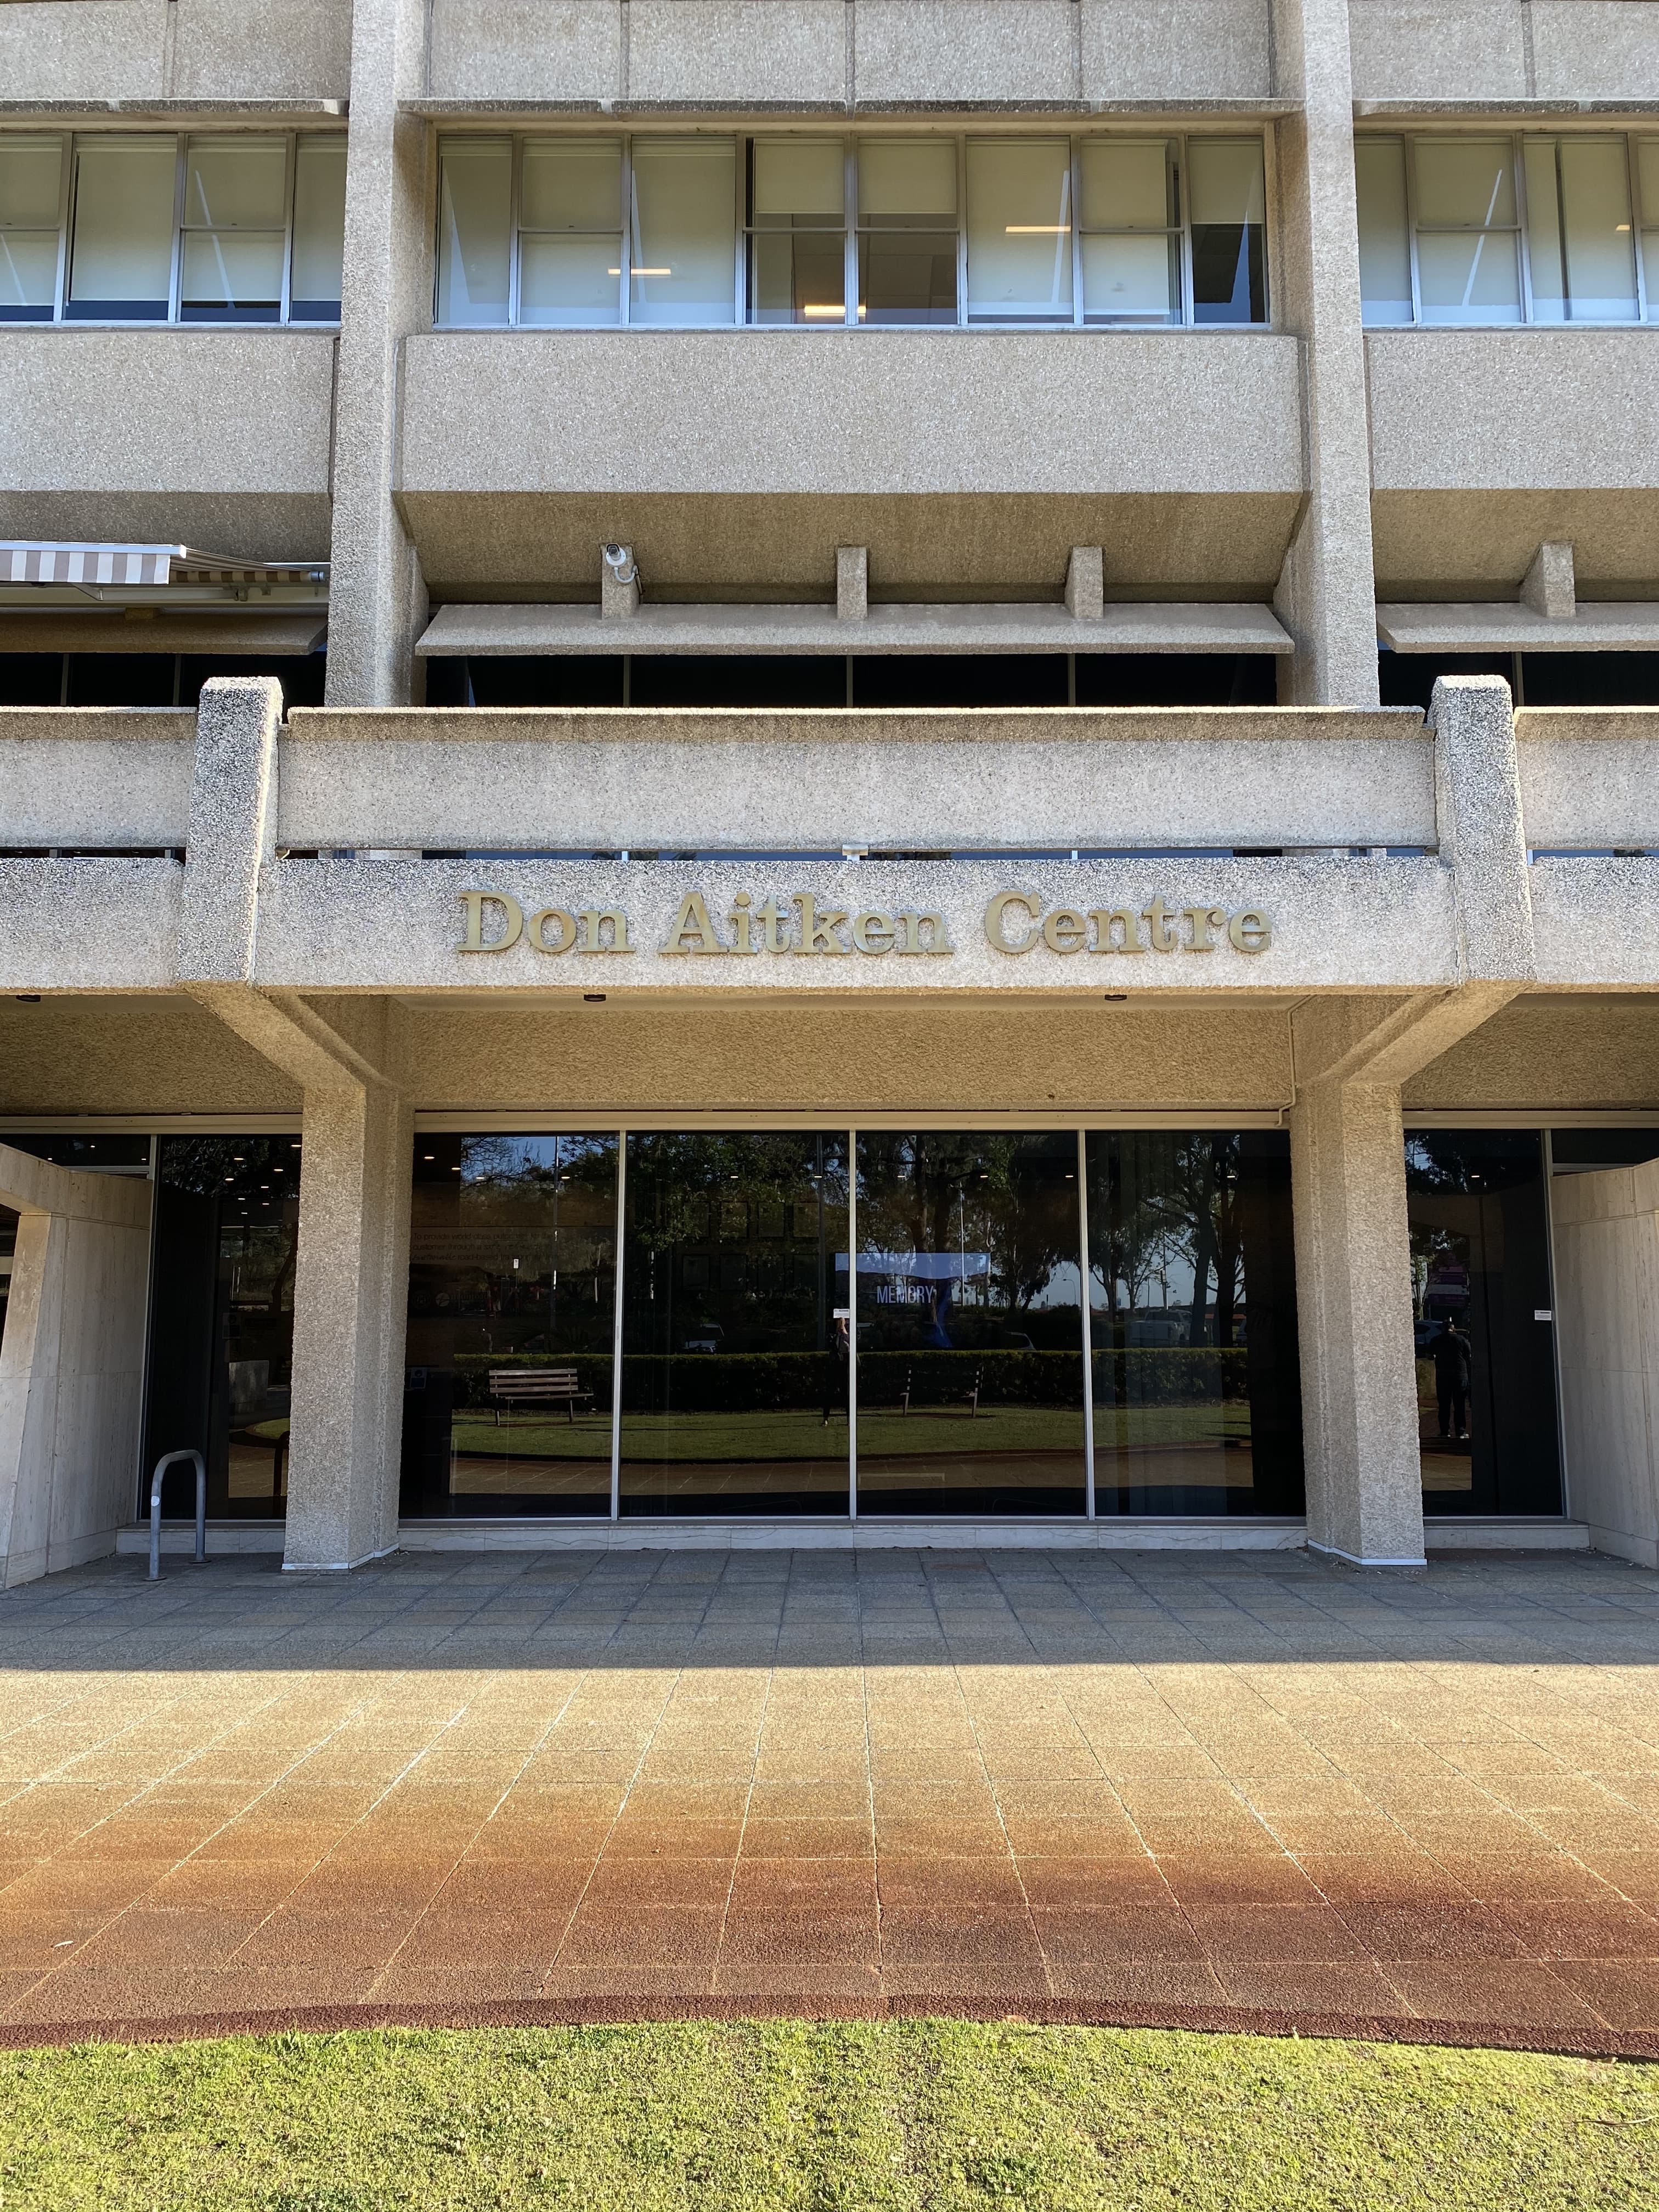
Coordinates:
<point>1253,1790</point>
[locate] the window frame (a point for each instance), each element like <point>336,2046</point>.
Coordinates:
<point>71,143</point>
<point>1642,229</point>
<point>746,231</point>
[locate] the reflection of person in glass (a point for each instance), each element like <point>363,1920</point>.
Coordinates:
<point>834,1381</point>
<point>1450,1353</point>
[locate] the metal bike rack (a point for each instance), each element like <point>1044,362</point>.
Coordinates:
<point>161,1466</point>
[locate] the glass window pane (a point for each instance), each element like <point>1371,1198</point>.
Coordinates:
<point>969,1324</point>
<point>231,274</point>
<point>1545,265</point>
<point>908,277</point>
<point>571,184</point>
<point>798,276</point>
<point>1595,215</point>
<point>1480,1275</point>
<point>1227,196</point>
<point>474,221</point>
<point>907,180</point>
<point>797,180</point>
<point>1469,277</point>
<point>236,182</point>
<point>1647,178</point>
<point>567,283</point>
<point>1193,1323</point>
<point>1019,230</point>
<point>1129,279</point>
<point>31,182</point>
<point>121,255</point>
<point>1385,260</point>
<point>28,274</point>
<point>735,1339</point>
<point>1467,183</point>
<point>1128,183</point>
<point>684,265</point>
<point>319,180</point>
<point>512,1286</point>
<point>220,1365</point>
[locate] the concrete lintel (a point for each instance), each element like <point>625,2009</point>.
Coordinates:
<point>1383,1044</point>
<point>288,1031</point>
<point>28,1185</point>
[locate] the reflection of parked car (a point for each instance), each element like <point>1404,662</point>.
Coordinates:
<point>705,1336</point>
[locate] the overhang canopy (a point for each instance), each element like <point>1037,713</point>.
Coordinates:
<point>1511,626</point>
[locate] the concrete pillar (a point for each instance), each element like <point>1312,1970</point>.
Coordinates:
<point>350,1299</point>
<point>1326,595</point>
<point>1354,1308</point>
<point>71,1363</point>
<point>377,600</point>
<point>1606,1230</point>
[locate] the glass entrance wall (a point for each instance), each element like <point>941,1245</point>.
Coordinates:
<point>969,1325</point>
<point>511,1295</point>
<point>221,1336</point>
<point>948,1374</point>
<point>734,1371</point>
<point>1197,1382</point>
<point>1481,1318</point>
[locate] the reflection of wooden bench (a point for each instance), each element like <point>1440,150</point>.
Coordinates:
<point>538,1386</point>
<point>973,1395</point>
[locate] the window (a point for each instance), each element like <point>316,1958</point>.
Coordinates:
<point>827,232</point>
<point>146,227</point>
<point>1493,230</point>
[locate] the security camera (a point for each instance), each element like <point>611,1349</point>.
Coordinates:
<point>620,562</point>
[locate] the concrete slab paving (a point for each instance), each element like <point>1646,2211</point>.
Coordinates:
<point>1249,1789</point>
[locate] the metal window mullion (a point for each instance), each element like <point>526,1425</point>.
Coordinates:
<point>514,219</point>
<point>1076,157</point>
<point>1524,229</point>
<point>292,187</point>
<point>852,1324</point>
<point>849,217</point>
<point>616,1324</point>
<point>1637,221</point>
<point>65,187</point>
<point>625,259</point>
<point>962,230</point>
<point>1086,1279</point>
<point>1184,218</point>
<point>181,155</point>
<point>740,208</point>
<point>1270,224</point>
<point>1408,148</point>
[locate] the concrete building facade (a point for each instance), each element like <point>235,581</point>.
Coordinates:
<point>827,771</point>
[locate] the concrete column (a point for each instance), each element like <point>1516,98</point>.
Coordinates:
<point>1355,1308</point>
<point>377,600</point>
<point>350,1298</point>
<point>1327,591</point>
<point>71,1363</point>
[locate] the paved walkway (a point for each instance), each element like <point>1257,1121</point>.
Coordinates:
<point>1204,1790</point>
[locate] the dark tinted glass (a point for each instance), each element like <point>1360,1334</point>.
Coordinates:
<point>65,1151</point>
<point>549,679</point>
<point>122,679</point>
<point>960,679</point>
<point>1229,273</point>
<point>907,276</point>
<point>1177,679</point>
<point>1197,1388</point>
<point>31,679</point>
<point>1590,679</point>
<point>756,679</point>
<point>302,676</point>
<point>734,1385</point>
<point>969,1325</point>
<point>511,1274</point>
<point>221,1320</point>
<point>8,1246</point>
<point>1481,1280</point>
<point>1591,1148</point>
<point>1406,679</point>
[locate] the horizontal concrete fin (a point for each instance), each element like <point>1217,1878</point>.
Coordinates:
<point>1589,776</point>
<point>670,628</point>
<point>1619,625</point>
<point>94,776</point>
<point>616,779</point>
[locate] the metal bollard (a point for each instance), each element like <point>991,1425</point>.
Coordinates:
<point>161,1466</point>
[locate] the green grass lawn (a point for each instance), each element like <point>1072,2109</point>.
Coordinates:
<point>929,2116</point>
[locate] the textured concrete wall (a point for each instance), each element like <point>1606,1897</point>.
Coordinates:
<point>94,776</point>
<point>1505,49</point>
<point>940,780</point>
<point>213,438</point>
<point>1589,776</point>
<point>100,50</point>
<point>70,1363</point>
<point>1606,1319</point>
<point>104,1054</point>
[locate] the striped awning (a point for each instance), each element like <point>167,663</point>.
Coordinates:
<point>30,562</point>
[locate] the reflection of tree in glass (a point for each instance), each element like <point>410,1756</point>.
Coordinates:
<point>678,1182</point>
<point>208,1167</point>
<point>1170,1200</point>
<point>1012,1198</point>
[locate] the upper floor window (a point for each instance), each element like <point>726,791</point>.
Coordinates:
<point>130,228</point>
<point>1508,229</point>
<point>696,231</point>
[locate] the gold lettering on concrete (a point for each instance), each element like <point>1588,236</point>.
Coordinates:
<point>536,929</point>
<point>1202,920</point>
<point>1125,920</point>
<point>996,936</point>
<point>1160,922</point>
<point>1065,930</point>
<point>1249,931</point>
<point>513,929</point>
<point>818,930</point>
<point>742,921</point>
<point>692,921</point>
<point>593,921</point>
<point>775,923</point>
<point>873,933</point>
<point>939,943</point>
